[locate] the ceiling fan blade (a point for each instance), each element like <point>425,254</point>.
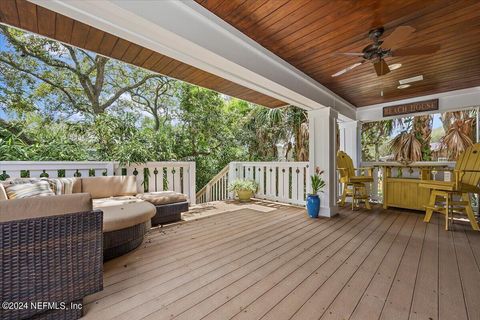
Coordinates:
<point>399,35</point>
<point>381,67</point>
<point>357,54</point>
<point>353,66</point>
<point>412,51</point>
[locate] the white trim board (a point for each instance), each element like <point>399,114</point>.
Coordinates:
<point>186,31</point>
<point>447,101</point>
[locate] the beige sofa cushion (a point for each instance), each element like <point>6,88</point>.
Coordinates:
<point>17,209</point>
<point>28,190</point>
<point>104,187</point>
<point>123,212</point>
<point>162,197</point>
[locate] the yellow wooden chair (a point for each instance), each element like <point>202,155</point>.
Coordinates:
<point>353,185</point>
<point>466,177</point>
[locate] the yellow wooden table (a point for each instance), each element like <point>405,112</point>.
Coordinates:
<point>401,189</point>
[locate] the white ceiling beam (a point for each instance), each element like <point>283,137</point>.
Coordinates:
<point>186,31</point>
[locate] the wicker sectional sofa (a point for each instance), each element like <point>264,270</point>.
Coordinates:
<point>51,251</point>
<point>53,247</point>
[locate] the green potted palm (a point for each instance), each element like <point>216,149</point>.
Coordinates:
<point>313,200</point>
<point>243,188</point>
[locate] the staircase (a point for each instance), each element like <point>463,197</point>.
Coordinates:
<point>285,182</point>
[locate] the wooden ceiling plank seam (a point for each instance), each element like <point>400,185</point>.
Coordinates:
<point>152,60</point>
<point>46,22</point>
<point>311,8</point>
<point>94,39</point>
<point>27,14</point>
<point>63,28</point>
<point>286,9</point>
<point>131,53</point>
<point>107,44</point>
<point>142,56</point>
<point>229,7</point>
<point>164,64</point>
<point>243,11</point>
<point>79,34</point>
<point>261,12</point>
<point>9,12</point>
<point>120,48</point>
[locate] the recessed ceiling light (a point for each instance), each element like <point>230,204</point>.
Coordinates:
<point>403,86</point>
<point>412,79</point>
<point>394,66</point>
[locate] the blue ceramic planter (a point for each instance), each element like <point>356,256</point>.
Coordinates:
<point>313,205</point>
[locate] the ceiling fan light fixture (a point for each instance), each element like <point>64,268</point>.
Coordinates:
<point>403,86</point>
<point>395,66</point>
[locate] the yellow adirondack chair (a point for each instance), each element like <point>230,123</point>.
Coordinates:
<point>353,185</point>
<point>466,180</point>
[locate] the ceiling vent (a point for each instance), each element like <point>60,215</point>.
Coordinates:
<point>412,79</point>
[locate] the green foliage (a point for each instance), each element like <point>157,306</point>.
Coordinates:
<point>243,185</point>
<point>317,182</point>
<point>64,103</point>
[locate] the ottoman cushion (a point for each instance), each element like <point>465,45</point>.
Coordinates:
<point>123,212</point>
<point>162,197</point>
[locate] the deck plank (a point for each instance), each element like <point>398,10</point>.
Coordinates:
<point>147,292</point>
<point>254,267</point>
<point>347,298</point>
<point>231,300</point>
<point>227,252</point>
<point>451,303</point>
<point>276,263</point>
<point>373,299</point>
<point>425,296</point>
<point>399,299</point>
<point>469,272</point>
<point>324,295</point>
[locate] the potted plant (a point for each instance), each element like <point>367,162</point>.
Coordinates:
<point>313,201</point>
<point>245,189</point>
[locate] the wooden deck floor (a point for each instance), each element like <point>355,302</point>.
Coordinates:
<point>279,264</point>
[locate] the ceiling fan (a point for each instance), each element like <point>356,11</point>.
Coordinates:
<point>388,47</point>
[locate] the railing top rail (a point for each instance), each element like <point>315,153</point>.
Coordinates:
<point>54,162</point>
<point>413,164</point>
<point>273,163</point>
<point>162,163</point>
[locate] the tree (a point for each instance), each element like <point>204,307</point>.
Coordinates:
<point>422,129</point>
<point>157,98</point>
<point>270,127</point>
<point>373,135</point>
<point>67,77</point>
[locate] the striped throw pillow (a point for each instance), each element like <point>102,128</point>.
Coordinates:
<point>26,190</point>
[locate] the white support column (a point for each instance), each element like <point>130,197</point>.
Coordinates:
<point>350,140</point>
<point>322,153</point>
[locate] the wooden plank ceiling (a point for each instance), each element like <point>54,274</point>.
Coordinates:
<point>307,33</point>
<point>28,16</point>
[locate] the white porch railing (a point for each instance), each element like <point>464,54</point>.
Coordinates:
<point>285,182</point>
<point>412,170</point>
<point>151,176</point>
